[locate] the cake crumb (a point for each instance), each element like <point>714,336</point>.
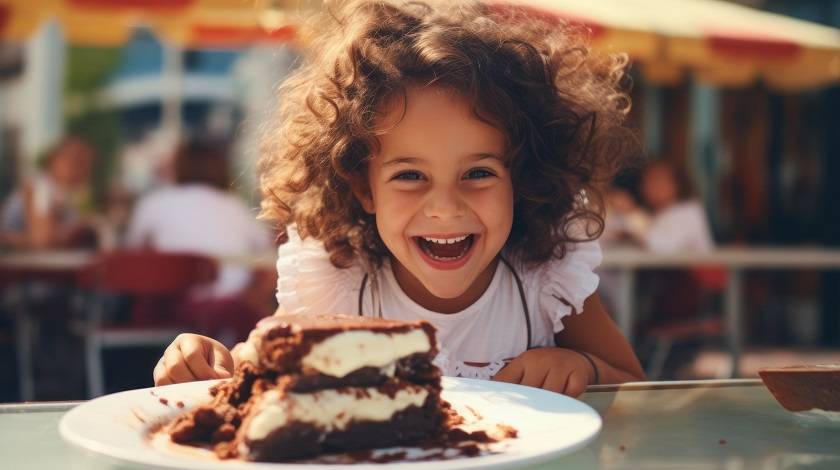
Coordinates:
<point>622,447</point>
<point>722,442</point>
<point>475,413</point>
<point>163,401</point>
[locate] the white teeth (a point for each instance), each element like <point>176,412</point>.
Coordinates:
<point>445,241</point>
<point>428,252</point>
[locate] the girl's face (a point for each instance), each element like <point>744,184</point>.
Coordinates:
<point>442,196</point>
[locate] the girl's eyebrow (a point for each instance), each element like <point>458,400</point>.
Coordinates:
<point>413,160</point>
<point>485,155</point>
<point>397,160</point>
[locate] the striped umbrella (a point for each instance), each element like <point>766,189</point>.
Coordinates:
<point>187,23</point>
<point>720,43</point>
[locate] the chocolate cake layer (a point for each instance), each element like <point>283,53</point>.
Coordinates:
<point>334,345</point>
<point>415,369</point>
<point>303,440</point>
<point>805,388</point>
<point>332,409</point>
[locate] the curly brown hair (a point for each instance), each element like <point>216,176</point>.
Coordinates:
<point>560,106</point>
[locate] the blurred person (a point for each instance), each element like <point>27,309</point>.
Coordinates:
<point>678,223</point>
<point>625,222</point>
<point>668,219</point>
<point>200,215</point>
<point>678,220</point>
<point>46,210</point>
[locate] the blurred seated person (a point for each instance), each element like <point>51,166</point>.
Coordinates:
<point>671,219</point>
<point>678,221</point>
<point>678,224</point>
<point>625,222</point>
<point>200,215</point>
<point>45,210</point>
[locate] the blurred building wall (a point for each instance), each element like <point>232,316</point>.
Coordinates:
<point>37,95</point>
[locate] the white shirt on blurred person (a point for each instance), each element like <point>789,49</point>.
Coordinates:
<point>200,219</point>
<point>198,215</point>
<point>679,227</point>
<point>678,221</point>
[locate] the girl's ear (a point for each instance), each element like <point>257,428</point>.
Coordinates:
<point>362,193</point>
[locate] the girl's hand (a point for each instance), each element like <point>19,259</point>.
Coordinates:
<point>556,369</point>
<point>193,357</point>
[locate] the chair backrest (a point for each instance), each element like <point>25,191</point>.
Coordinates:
<point>148,273</point>
<point>712,278</point>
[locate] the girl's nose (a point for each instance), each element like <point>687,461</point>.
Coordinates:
<point>443,203</point>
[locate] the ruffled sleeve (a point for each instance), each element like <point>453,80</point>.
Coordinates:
<point>566,283</point>
<point>308,283</point>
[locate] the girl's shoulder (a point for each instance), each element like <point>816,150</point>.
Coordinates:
<point>561,285</point>
<point>307,282</point>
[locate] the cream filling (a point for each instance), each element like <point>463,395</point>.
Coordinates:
<point>248,352</point>
<point>829,415</point>
<point>345,352</point>
<point>329,408</point>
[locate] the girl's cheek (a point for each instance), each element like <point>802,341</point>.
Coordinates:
<point>398,199</point>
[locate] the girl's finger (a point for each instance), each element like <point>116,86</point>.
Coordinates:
<point>511,373</point>
<point>556,380</point>
<point>534,376</point>
<point>163,380</point>
<point>221,361</point>
<point>176,366</point>
<point>159,373</point>
<point>196,357</point>
<point>576,384</point>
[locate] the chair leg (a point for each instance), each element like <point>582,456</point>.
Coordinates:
<point>658,358</point>
<point>23,344</point>
<point>95,371</point>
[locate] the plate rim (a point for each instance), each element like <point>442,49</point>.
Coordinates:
<point>486,462</point>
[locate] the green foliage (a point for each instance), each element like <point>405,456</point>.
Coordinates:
<point>102,130</point>
<point>88,68</point>
<point>87,71</point>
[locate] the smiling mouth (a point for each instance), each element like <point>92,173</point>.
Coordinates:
<point>446,249</point>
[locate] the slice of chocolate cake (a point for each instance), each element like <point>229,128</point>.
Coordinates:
<point>311,385</point>
<point>814,389</point>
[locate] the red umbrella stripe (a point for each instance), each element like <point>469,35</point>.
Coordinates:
<point>509,10</point>
<point>754,45</point>
<point>5,14</point>
<point>153,5</point>
<point>213,35</point>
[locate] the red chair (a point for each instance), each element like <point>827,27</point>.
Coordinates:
<point>157,282</point>
<point>708,324</point>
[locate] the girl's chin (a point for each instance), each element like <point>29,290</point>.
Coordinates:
<point>444,292</point>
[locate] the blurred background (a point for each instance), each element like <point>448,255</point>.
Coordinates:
<point>128,193</point>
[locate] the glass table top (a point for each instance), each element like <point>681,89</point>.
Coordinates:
<point>733,424</point>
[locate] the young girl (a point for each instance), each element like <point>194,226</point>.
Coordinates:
<point>442,163</point>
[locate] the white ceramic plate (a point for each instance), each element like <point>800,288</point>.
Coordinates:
<point>548,425</point>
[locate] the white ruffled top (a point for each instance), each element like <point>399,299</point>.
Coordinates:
<point>475,342</point>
